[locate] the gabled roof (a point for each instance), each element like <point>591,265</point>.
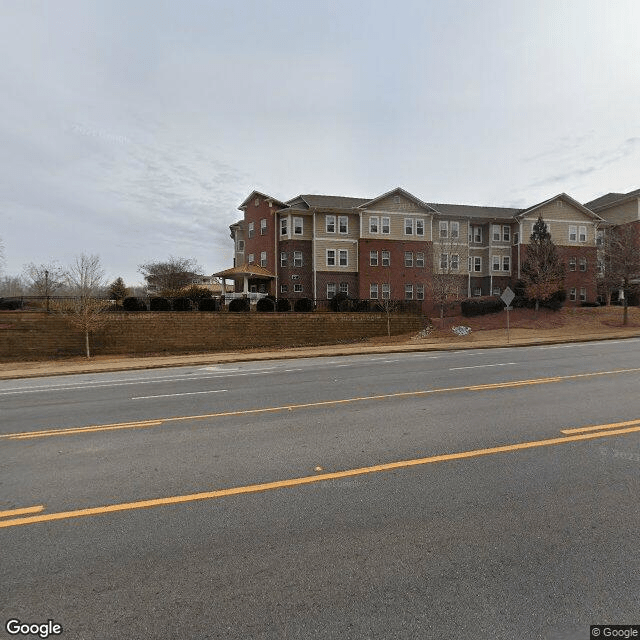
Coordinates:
<point>314,201</point>
<point>566,198</point>
<point>253,194</point>
<point>398,191</point>
<point>245,270</point>
<point>474,211</point>
<point>611,199</point>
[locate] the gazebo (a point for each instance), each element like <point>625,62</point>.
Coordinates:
<point>248,272</point>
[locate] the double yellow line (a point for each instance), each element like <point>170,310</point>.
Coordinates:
<point>574,435</point>
<point>28,435</point>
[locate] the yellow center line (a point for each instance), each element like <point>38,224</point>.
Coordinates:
<point>599,427</point>
<point>323,403</point>
<point>294,482</point>
<point>75,430</point>
<point>19,512</point>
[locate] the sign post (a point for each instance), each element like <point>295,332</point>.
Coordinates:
<point>507,297</point>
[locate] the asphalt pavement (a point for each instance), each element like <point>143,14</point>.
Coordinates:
<point>446,494</point>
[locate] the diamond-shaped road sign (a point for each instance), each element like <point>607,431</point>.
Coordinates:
<point>507,296</point>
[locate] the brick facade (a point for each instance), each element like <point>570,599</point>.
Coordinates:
<point>34,336</point>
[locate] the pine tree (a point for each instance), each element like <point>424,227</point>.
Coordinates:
<point>542,271</point>
<point>118,291</point>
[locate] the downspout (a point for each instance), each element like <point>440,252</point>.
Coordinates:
<point>276,251</point>
<point>313,257</point>
<point>519,242</point>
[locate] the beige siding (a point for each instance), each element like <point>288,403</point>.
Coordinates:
<point>307,227</point>
<point>622,213</point>
<point>397,203</point>
<point>396,226</point>
<point>558,219</point>
<point>353,227</point>
<point>320,258</point>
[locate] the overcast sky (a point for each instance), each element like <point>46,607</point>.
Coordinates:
<point>133,129</point>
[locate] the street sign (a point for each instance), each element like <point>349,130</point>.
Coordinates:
<point>507,296</point>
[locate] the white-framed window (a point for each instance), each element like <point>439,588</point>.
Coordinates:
<point>297,226</point>
<point>284,259</point>
<point>343,224</point>
<point>408,226</point>
<point>373,291</point>
<point>477,233</point>
<point>330,224</point>
<point>386,258</point>
<point>506,233</point>
<point>263,226</point>
<point>251,230</point>
<point>506,263</point>
<point>256,202</point>
<point>516,237</point>
<point>331,290</point>
<point>283,226</point>
<point>297,288</point>
<point>477,263</point>
<point>240,246</point>
<point>495,263</point>
<point>600,267</point>
<point>331,257</point>
<point>582,234</point>
<point>583,294</point>
<point>496,291</point>
<point>420,259</point>
<point>469,261</point>
<point>572,264</point>
<point>599,237</point>
<point>263,258</point>
<point>408,258</point>
<point>297,258</point>
<point>343,258</point>
<point>419,292</point>
<point>583,264</point>
<point>284,288</point>
<point>454,229</point>
<point>572,293</point>
<point>454,261</point>
<point>495,232</point>
<point>374,221</point>
<point>408,292</point>
<point>344,288</point>
<point>373,258</point>
<point>573,233</point>
<point>251,258</point>
<point>386,225</point>
<point>444,261</point>
<point>444,229</point>
<point>419,227</point>
<point>386,291</point>
<point>477,291</point>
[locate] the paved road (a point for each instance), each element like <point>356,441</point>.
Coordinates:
<point>485,494</point>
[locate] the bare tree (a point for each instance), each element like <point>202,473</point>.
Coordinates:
<point>85,279</point>
<point>1,256</point>
<point>44,279</point>
<point>11,286</point>
<point>171,276</point>
<point>621,262</point>
<point>542,270</point>
<point>447,279</point>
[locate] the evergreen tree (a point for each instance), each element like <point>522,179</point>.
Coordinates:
<point>542,271</point>
<point>117,290</point>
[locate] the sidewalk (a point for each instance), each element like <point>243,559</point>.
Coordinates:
<point>396,344</point>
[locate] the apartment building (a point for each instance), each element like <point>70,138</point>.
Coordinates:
<point>395,246</point>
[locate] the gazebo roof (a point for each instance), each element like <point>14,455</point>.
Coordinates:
<point>248,270</point>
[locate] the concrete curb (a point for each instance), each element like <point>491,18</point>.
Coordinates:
<point>22,370</point>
